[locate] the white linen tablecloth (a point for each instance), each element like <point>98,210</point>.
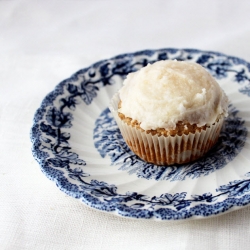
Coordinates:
<point>44,42</point>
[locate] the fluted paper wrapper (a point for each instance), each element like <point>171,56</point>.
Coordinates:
<point>166,150</point>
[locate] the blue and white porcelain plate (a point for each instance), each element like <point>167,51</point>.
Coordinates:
<point>79,146</point>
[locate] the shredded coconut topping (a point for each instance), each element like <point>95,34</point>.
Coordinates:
<point>166,92</point>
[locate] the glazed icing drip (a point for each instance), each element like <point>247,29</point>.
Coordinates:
<point>161,94</point>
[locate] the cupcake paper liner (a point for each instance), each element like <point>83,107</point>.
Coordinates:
<point>166,150</point>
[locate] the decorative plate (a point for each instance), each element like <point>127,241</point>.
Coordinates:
<point>78,145</point>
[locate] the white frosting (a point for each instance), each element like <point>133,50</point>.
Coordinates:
<point>161,94</point>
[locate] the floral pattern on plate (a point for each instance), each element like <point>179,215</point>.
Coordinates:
<point>79,147</point>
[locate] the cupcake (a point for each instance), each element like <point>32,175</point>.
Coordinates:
<point>170,112</point>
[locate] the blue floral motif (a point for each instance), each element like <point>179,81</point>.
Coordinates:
<point>51,130</point>
<point>109,141</point>
<point>223,66</point>
<point>235,188</point>
<point>220,68</point>
<point>59,119</point>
